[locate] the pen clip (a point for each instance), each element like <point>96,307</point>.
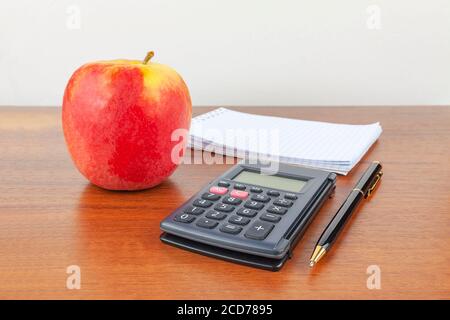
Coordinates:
<point>374,184</point>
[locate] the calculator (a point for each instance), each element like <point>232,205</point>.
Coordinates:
<point>249,217</point>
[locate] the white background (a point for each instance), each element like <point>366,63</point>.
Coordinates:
<point>237,52</point>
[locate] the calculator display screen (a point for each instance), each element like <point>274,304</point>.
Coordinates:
<point>268,181</point>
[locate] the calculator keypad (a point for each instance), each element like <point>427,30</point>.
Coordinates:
<point>283,203</point>
<point>230,214</point>
<point>273,193</point>
<point>239,194</point>
<point>223,207</point>
<point>223,184</point>
<point>255,190</point>
<point>240,186</point>
<point>240,220</point>
<point>207,223</point>
<point>254,205</point>
<point>277,210</point>
<point>210,196</point>
<point>260,198</point>
<point>215,215</point>
<point>232,200</point>
<point>290,196</point>
<point>218,190</point>
<point>259,230</point>
<point>247,212</point>
<point>194,210</point>
<point>184,217</point>
<point>230,228</point>
<point>202,203</point>
<point>270,217</point>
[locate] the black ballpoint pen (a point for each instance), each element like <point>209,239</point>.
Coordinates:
<point>363,189</point>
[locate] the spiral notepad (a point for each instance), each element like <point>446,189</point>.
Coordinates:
<point>322,145</point>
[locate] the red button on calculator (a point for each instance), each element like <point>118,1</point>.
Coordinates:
<point>218,190</point>
<point>239,194</point>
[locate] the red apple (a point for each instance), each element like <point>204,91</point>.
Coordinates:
<point>118,117</point>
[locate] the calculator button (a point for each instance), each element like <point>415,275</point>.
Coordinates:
<point>259,230</point>
<point>247,212</point>
<point>194,210</point>
<point>283,202</point>
<point>202,203</point>
<point>270,217</point>
<point>230,228</point>
<point>255,190</point>
<point>223,184</point>
<point>223,207</point>
<point>210,196</point>
<point>218,190</point>
<point>239,220</point>
<point>277,210</point>
<point>273,193</point>
<point>184,217</point>
<point>239,186</point>
<point>260,198</point>
<point>254,205</point>
<point>231,200</point>
<point>215,215</point>
<point>239,194</point>
<point>290,196</point>
<point>206,223</point>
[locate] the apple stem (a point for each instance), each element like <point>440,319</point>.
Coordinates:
<point>147,58</point>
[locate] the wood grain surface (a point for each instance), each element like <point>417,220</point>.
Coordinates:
<point>51,218</point>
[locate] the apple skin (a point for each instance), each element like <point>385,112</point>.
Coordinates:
<point>118,117</point>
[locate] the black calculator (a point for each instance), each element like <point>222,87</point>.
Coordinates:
<point>248,216</point>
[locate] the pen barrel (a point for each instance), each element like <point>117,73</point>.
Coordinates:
<point>336,224</point>
<point>362,189</point>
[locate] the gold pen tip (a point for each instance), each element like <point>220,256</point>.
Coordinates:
<point>318,253</point>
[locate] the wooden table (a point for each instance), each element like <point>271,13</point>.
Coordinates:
<point>51,218</point>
